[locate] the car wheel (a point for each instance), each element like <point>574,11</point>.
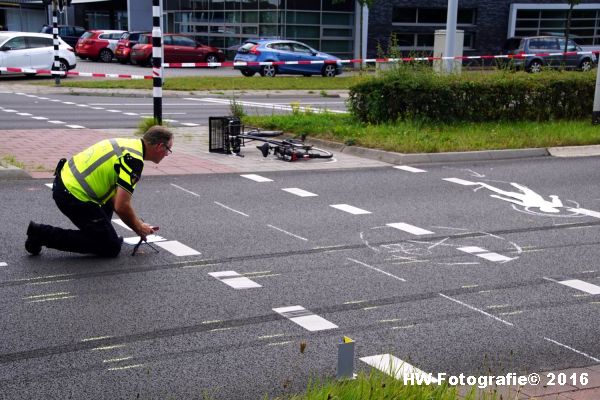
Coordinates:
<point>63,65</point>
<point>247,72</point>
<point>328,70</point>
<point>586,65</point>
<point>106,55</point>
<point>268,70</point>
<point>534,67</point>
<point>212,58</point>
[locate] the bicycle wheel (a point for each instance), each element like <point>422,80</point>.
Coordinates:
<point>261,133</point>
<point>315,152</point>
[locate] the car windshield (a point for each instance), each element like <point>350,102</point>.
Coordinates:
<point>3,38</point>
<point>246,47</point>
<point>145,39</point>
<point>86,35</point>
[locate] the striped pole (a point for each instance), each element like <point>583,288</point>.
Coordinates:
<point>596,108</point>
<point>56,64</point>
<point>157,61</point>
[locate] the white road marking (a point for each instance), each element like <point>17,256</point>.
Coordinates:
<point>150,239</point>
<point>299,192</point>
<point>583,211</point>
<point>40,118</point>
<point>95,338</point>
<point>121,223</point>
<point>234,280</point>
<point>376,269</point>
<point>273,106</point>
<point>350,209</point>
<point>76,126</point>
<point>461,181</point>
<point>572,349</point>
<point>581,285</point>
<point>9,110</point>
<point>476,309</point>
<point>409,169</point>
<point>68,102</point>
<point>131,113</point>
<point>48,184</point>
<point>125,367</point>
<point>410,228</point>
<point>177,248</point>
<point>56,122</point>
<point>185,190</point>
<point>3,264</point>
<point>483,253</point>
<point>189,124</point>
<point>305,318</point>
<point>256,178</point>
<point>231,209</point>
<point>114,111</point>
<point>25,114</point>
<point>397,368</point>
<point>287,233</point>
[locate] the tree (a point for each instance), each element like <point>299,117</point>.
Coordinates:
<point>572,4</point>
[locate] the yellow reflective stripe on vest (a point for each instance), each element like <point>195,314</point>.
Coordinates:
<point>80,176</point>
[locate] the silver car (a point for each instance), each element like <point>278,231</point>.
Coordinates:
<point>33,51</point>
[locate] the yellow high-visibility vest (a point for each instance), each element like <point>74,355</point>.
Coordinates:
<point>93,174</point>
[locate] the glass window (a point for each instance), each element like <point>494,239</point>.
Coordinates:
<point>167,40</point>
<point>201,29</point>
<point>250,17</point>
<point>183,41</point>
<point>584,14</point>
<point>337,32</point>
<point>405,39</point>
<point>267,30</point>
<point>249,30</point>
<point>528,14</point>
<point>232,5</point>
<point>338,19</point>
<point>269,4</point>
<point>281,46</point>
<point>404,15</point>
<point>299,48</point>
<point>303,31</point>
<point>425,40</point>
<point>34,42</point>
<point>432,15</point>
<point>299,17</point>
<point>557,14</point>
<point>314,5</point>
<point>336,46</point>
<point>268,17</point>
<point>249,4</point>
<point>338,5</point>
<point>466,16</point>
<point>527,23</point>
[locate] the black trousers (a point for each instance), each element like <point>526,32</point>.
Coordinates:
<point>96,234</point>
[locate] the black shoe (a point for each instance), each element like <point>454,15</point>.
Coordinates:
<point>33,244</point>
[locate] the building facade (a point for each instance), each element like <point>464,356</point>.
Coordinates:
<point>486,23</point>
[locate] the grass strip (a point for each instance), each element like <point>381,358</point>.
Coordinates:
<point>431,137</point>
<point>193,83</point>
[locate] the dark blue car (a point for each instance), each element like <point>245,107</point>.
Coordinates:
<point>285,50</point>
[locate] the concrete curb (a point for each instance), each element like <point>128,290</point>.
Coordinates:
<point>402,158</point>
<point>12,172</point>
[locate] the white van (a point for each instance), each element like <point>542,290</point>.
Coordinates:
<point>33,50</point>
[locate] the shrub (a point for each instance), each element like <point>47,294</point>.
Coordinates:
<point>404,93</point>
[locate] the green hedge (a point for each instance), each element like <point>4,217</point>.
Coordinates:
<point>410,94</point>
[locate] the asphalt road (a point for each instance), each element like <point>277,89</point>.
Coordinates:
<point>460,268</point>
<point>20,110</point>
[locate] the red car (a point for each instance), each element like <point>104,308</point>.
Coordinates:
<point>126,42</point>
<point>177,49</point>
<point>98,45</point>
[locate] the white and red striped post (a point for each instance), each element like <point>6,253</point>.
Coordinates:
<point>596,108</point>
<point>157,71</point>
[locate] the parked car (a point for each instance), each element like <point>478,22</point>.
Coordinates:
<point>98,45</point>
<point>68,33</point>
<point>177,48</point>
<point>126,42</point>
<point>542,47</point>
<point>34,50</point>
<point>285,50</point>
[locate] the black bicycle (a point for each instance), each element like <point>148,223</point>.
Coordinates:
<point>284,149</point>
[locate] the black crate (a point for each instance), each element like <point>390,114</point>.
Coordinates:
<point>220,129</point>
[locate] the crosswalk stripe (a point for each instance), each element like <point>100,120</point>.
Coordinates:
<point>256,178</point>
<point>350,209</point>
<point>299,192</point>
<point>581,285</point>
<point>177,248</point>
<point>305,318</point>
<point>234,280</point>
<point>395,367</point>
<point>409,169</point>
<point>415,230</point>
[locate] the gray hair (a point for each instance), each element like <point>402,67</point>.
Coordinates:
<point>157,134</point>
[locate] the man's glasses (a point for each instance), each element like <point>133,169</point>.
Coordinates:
<point>168,148</point>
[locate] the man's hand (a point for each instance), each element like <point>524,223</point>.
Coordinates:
<point>144,230</point>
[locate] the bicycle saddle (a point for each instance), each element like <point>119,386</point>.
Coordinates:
<point>264,149</point>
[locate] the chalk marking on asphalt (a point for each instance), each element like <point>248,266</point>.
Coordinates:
<point>395,367</point>
<point>469,286</point>
<point>511,313</point>
<point>95,338</point>
<point>287,233</point>
<point>299,192</point>
<point>256,178</point>
<point>177,248</point>
<point>581,285</point>
<point>52,299</point>
<point>572,349</point>
<point>355,301</point>
<point>496,306</point>
<point>461,181</point>
<point>376,269</point>
<point>350,209</point>
<point>583,211</point>
<point>185,190</point>
<point>402,327</point>
<point>3,264</point>
<point>235,280</point>
<point>483,253</point>
<point>415,230</point>
<point>220,329</point>
<point>103,348</point>
<point>40,296</point>
<point>476,309</point>
<point>125,367</point>
<point>409,169</point>
<point>114,360</point>
<point>280,343</point>
<point>305,318</point>
<point>231,209</point>
<point>150,239</point>
<point>213,321</point>
<point>121,223</point>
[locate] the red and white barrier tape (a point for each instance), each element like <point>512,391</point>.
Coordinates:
<point>255,63</point>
